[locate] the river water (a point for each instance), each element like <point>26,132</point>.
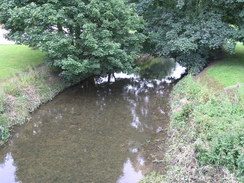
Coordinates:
<point>90,134</point>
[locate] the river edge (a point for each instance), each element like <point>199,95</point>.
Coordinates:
<point>188,154</point>
<point>23,94</point>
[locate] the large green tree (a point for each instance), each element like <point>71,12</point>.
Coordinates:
<point>192,31</point>
<point>82,38</point>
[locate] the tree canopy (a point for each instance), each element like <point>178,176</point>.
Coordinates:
<point>82,38</point>
<point>98,37</point>
<point>192,31</point>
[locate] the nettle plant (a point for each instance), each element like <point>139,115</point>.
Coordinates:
<point>82,38</point>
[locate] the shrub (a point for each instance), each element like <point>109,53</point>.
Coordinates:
<point>4,133</point>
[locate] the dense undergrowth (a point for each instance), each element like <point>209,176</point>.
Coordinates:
<point>23,94</point>
<point>206,136</point>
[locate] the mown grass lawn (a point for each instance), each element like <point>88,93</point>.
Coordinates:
<point>230,71</point>
<point>17,58</point>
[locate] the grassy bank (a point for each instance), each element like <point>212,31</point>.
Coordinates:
<point>24,93</point>
<point>17,58</point>
<point>231,70</point>
<point>206,136</point>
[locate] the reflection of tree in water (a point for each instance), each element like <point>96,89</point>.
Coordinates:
<point>157,68</point>
<point>86,135</point>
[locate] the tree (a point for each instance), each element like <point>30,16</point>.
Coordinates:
<point>82,38</point>
<point>192,31</point>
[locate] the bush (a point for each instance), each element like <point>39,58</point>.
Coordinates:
<point>224,150</point>
<point>4,133</point>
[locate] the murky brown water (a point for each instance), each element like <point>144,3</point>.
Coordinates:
<point>88,135</point>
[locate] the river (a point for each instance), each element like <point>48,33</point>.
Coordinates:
<point>90,134</point>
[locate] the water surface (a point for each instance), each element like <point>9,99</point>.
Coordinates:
<point>89,134</point>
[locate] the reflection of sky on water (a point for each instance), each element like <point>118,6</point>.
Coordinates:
<point>7,170</point>
<point>130,175</point>
<point>176,73</point>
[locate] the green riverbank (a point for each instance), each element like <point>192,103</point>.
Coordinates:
<point>22,94</point>
<point>205,136</point>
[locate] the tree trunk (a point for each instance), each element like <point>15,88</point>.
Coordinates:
<point>109,77</point>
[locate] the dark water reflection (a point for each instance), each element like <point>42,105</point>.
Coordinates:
<point>89,135</point>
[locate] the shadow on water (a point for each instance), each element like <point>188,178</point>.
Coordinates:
<point>89,134</point>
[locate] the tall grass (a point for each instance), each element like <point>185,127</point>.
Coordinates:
<point>23,94</point>
<point>215,123</point>
<point>206,136</point>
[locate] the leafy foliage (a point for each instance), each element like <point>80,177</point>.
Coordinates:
<point>192,31</point>
<point>4,133</point>
<point>82,38</point>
